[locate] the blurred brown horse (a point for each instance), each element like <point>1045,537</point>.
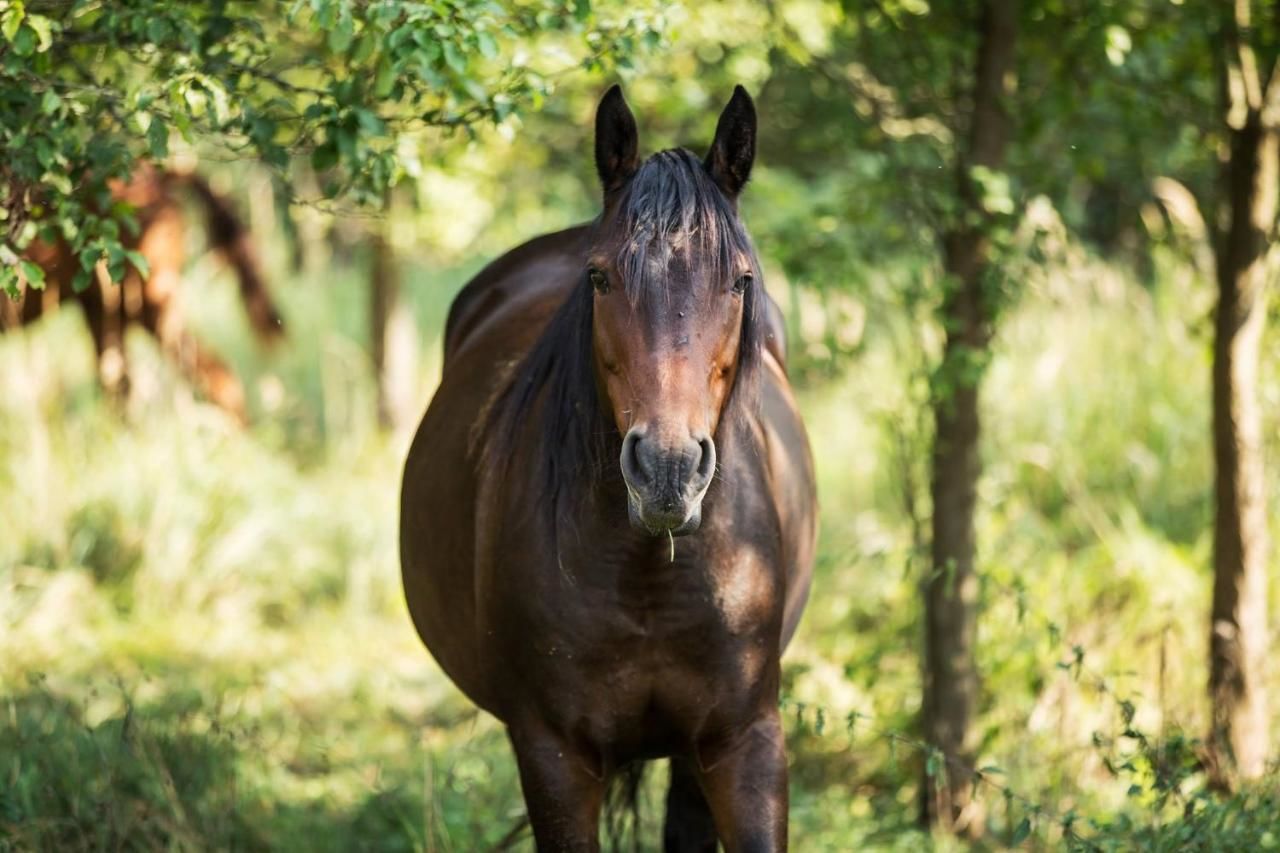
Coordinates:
<point>606,390</point>
<point>153,302</point>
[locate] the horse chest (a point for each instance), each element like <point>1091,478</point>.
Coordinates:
<point>636,662</point>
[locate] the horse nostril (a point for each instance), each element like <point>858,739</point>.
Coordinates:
<point>707,462</point>
<point>633,466</point>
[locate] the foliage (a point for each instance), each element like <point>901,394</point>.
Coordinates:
<point>350,88</point>
<point>1177,811</point>
<point>869,98</point>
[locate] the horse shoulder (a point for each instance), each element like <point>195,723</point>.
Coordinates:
<point>792,484</point>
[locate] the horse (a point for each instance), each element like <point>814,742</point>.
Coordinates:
<point>608,512</point>
<point>152,301</point>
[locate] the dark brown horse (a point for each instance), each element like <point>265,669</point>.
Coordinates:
<point>153,302</point>
<point>606,390</point>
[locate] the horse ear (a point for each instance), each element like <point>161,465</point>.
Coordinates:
<point>616,140</point>
<point>734,149</point>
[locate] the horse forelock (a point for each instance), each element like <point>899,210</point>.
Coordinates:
<point>671,210</point>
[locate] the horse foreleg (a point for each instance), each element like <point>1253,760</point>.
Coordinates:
<point>689,827</point>
<point>207,373</point>
<point>562,796</point>
<point>213,378</point>
<point>747,790</point>
<point>102,309</point>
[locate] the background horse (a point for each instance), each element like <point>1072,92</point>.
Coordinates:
<point>153,302</point>
<point>607,389</point>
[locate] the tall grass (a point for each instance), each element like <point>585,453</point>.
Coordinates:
<point>203,641</point>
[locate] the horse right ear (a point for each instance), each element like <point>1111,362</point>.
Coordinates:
<point>734,149</point>
<point>617,140</point>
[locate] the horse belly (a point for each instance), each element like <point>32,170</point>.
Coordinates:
<point>497,318</point>
<point>437,535</point>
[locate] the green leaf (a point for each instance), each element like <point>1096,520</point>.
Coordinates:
<point>89,256</point>
<point>324,156</point>
<point>385,78</point>
<point>454,58</point>
<point>1021,832</point>
<point>11,20</point>
<point>157,30</point>
<point>1119,43</point>
<point>59,181</point>
<point>347,142</point>
<point>9,282</point>
<point>44,152</point>
<point>487,44</point>
<point>158,138</point>
<point>33,273</point>
<point>50,102</point>
<point>43,28</point>
<point>369,122</point>
<point>24,41</point>
<point>139,262</point>
<point>364,47</point>
<point>341,35</point>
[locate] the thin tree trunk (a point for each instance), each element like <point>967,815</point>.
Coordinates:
<point>383,288</point>
<point>1238,631</point>
<point>393,336</point>
<point>950,675</point>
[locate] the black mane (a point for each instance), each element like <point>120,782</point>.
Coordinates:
<point>671,197</point>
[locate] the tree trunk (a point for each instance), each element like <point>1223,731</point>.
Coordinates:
<point>950,675</point>
<point>1238,631</point>
<point>383,287</point>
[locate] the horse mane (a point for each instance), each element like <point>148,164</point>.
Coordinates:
<point>671,197</point>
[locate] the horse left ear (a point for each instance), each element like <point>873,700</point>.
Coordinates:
<point>616,140</point>
<point>734,149</point>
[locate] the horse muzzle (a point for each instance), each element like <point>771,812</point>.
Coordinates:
<point>666,480</point>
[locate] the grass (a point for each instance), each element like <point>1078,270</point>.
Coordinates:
<point>203,642</point>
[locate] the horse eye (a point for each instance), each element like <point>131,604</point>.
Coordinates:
<point>599,281</point>
<point>740,286</point>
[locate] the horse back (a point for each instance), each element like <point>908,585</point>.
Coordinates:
<point>543,269</point>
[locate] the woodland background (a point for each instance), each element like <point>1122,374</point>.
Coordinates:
<point>1024,251</point>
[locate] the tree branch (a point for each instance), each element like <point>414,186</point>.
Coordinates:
<point>1241,63</point>
<point>1271,98</point>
